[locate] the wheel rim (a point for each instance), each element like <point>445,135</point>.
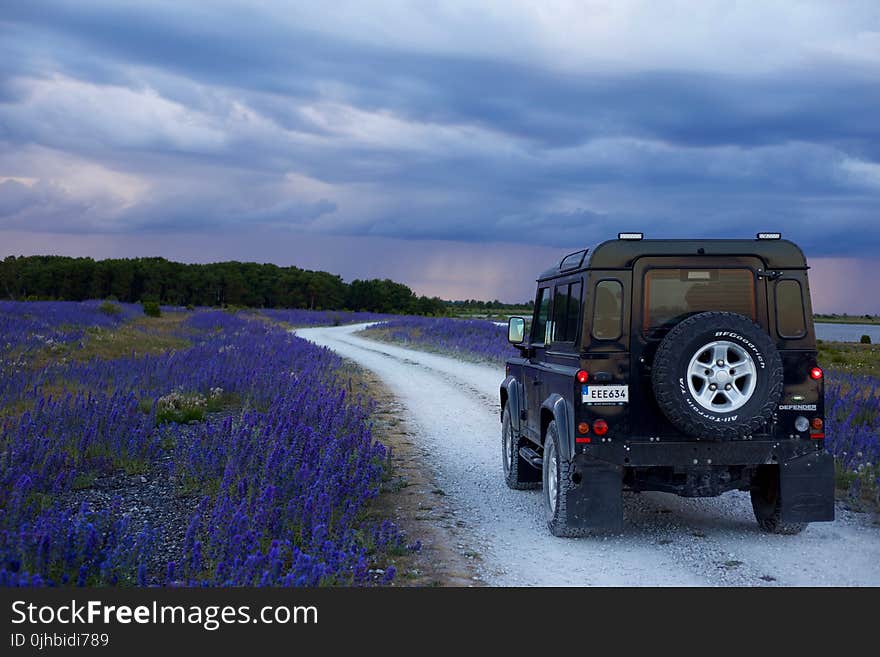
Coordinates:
<point>508,442</point>
<point>722,376</point>
<point>552,483</point>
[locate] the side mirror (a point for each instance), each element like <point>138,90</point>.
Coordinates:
<point>516,328</point>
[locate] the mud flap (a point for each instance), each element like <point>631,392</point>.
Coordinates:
<point>806,486</point>
<point>596,502</point>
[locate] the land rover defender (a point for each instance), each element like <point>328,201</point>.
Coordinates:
<point>684,366</point>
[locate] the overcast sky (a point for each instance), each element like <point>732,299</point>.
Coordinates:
<point>454,146</point>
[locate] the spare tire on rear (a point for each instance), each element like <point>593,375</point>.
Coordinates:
<point>717,375</point>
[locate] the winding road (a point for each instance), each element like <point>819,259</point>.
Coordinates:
<point>451,408</point>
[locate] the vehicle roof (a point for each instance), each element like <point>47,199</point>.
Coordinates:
<point>621,254</point>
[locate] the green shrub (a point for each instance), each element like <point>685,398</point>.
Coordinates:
<point>152,309</point>
<point>110,308</point>
<point>181,407</point>
<point>866,339</point>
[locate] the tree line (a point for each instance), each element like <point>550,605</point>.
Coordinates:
<point>133,280</point>
<point>476,304</point>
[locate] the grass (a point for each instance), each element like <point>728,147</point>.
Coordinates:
<point>850,357</point>
<point>384,334</point>
<point>138,337</point>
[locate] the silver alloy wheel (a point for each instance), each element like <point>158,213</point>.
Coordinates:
<point>508,441</point>
<point>552,474</point>
<point>722,376</point>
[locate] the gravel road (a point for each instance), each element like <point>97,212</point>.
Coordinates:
<point>452,409</point>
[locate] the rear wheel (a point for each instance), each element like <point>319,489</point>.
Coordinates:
<point>767,502</point>
<point>558,483</point>
<point>518,473</point>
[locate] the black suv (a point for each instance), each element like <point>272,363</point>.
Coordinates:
<point>684,366</point>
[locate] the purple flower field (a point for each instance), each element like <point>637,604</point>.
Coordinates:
<point>471,338</point>
<point>274,473</point>
<point>852,422</point>
<point>29,325</point>
<point>852,401</point>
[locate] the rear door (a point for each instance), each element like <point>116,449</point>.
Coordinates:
<point>606,350</point>
<point>668,290</point>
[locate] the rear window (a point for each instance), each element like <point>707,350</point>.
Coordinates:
<point>790,320</point>
<point>672,294</point>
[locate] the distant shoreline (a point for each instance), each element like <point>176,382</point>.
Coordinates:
<point>847,320</point>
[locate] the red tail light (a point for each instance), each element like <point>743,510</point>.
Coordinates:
<point>816,373</point>
<point>600,427</point>
<point>583,376</point>
<point>817,423</point>
<point>584,427</point>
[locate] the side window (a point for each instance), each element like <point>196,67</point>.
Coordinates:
<point>790,320</point>
<point>542,314</point>
<point>572,320</point>
<point>608,310</point>
<point>566,312</point>
<point>560,305</point>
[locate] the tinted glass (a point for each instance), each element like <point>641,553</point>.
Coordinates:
<point>542,312</point>
<point>790,321</point>
<point>608,310</point>
<point>560,305</point>
<point>566,312</point>
<point>671,294</point>
<point>574,312</point>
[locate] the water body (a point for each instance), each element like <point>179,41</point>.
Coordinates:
<point>834,332</point>
<point>847,332</point>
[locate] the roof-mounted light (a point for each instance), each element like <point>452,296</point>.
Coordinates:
<point>769,236</point>
<point>630,236</point>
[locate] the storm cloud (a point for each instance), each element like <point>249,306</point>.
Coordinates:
<point>545,124</point>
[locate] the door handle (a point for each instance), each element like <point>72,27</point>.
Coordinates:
<point>536,382</point>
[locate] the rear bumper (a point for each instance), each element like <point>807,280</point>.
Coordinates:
<point>703,453</point>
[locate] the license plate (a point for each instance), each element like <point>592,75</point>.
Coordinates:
<point>605,395</point>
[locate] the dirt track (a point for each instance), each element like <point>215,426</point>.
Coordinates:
<point>452,409</point>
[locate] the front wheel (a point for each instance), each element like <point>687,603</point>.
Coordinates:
<point>767,502</point>
<point>558,484</point>
<point>518,473</point>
